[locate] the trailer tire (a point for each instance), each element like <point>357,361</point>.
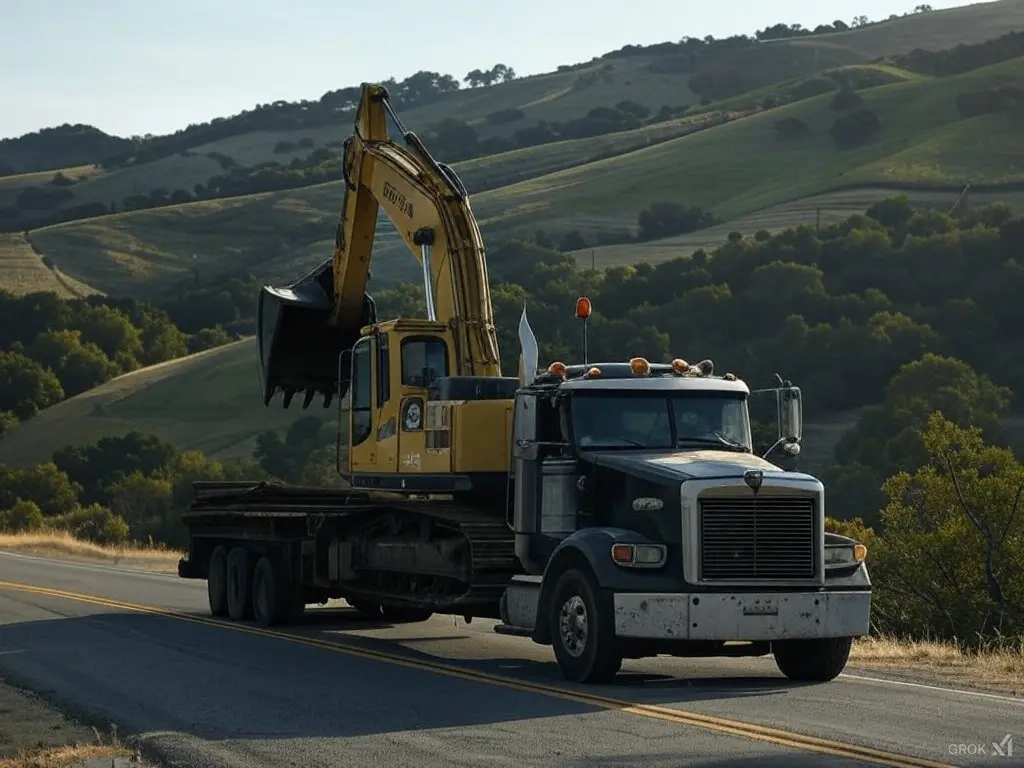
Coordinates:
<point>217,582</point>
<point>239,585</point>
<point>583,629</point>
<point>819,660</point>
<point>272,599</point>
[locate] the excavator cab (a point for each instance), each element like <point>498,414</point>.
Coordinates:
<point>415,428</point>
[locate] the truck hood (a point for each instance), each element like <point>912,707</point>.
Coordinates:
<point>680,466</point>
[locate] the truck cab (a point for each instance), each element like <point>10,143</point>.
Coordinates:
<point>647,525</point>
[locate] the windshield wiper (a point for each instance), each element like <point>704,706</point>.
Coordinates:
<point>719,439</point>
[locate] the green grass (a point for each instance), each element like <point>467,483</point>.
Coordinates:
<point>741,167</point>
<point>209,402</point>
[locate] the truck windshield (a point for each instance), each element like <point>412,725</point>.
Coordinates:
<point>623,420</point>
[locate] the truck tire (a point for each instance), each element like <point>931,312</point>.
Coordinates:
<point>272,599</point>
<point>818,660</point>
<point>583,629</point>
<point>239,585</point>
<point>217,582</point>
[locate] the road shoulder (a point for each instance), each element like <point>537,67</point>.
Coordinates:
<point>36,734</point>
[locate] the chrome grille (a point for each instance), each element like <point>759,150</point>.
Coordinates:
<point>760,537</point>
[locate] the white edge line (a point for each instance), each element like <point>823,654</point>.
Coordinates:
<point>862,678</point>
<point>943,689</point>
<point>89,566</point>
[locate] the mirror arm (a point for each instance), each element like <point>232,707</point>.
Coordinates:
<point>780,442</point>
<point>774,447</point>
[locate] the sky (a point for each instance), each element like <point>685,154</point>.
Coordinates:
<point>132,67</point>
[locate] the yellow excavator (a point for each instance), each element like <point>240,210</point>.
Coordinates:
<point>610,510</point>
<point>321,335</point>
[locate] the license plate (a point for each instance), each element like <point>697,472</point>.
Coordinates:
<point>761,607</point>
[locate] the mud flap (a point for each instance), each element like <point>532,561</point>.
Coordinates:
<point>299,348</point>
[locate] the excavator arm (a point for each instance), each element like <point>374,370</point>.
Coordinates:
<point>307,329</point>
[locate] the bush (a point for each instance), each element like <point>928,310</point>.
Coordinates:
<point>855,129</point>
<point>845,99</point>
<point>94,523</point>
<point>23,517</point>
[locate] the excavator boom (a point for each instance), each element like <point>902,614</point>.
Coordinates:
<point>306,329</point>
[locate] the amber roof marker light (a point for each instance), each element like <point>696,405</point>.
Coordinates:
<point>583,310</point>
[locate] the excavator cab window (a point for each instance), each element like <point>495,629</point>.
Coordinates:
<point>424,359</point>
<point>362,390</point>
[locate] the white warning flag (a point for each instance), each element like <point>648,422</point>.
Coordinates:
<point>529,357</point>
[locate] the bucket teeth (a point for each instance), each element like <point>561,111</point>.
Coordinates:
<point>288,395</point>
<point>308,398</point>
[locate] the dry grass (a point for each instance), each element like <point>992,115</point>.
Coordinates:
<point>62,545</point>
<point>34,734</point>
<point>24,272</point>
<point>944,663</point>
<point>70,756</point>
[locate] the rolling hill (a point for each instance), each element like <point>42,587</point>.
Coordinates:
<point>209,402</point>
<point>733,169</point>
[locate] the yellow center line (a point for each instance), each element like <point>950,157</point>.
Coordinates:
<point>667,714</point>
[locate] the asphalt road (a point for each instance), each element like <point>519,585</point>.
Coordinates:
<point>337,690</point>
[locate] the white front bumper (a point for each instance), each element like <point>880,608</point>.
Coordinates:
<point>742,615</point>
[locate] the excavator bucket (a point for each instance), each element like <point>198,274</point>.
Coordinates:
<point>300,350</point>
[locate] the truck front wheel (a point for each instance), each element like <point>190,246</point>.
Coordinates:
<point>583,629</point>
<point>818,660</point>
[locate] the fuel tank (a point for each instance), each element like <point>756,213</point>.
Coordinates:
<point>300,350</point>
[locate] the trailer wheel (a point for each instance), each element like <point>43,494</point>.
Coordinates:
<point>272,601</point>
<point>818,660</point>
<point>239,585</point>
<point>217,582</point>
<point>583,629</point>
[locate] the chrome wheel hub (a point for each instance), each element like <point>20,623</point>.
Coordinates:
<point>572,625</point>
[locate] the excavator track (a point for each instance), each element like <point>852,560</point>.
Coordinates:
<point>266,510</point>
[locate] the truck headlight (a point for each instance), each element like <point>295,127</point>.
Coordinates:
<point>845,555</point>
<point>639,555</point>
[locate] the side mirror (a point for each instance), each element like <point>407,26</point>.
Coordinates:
<point>791,414</point>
